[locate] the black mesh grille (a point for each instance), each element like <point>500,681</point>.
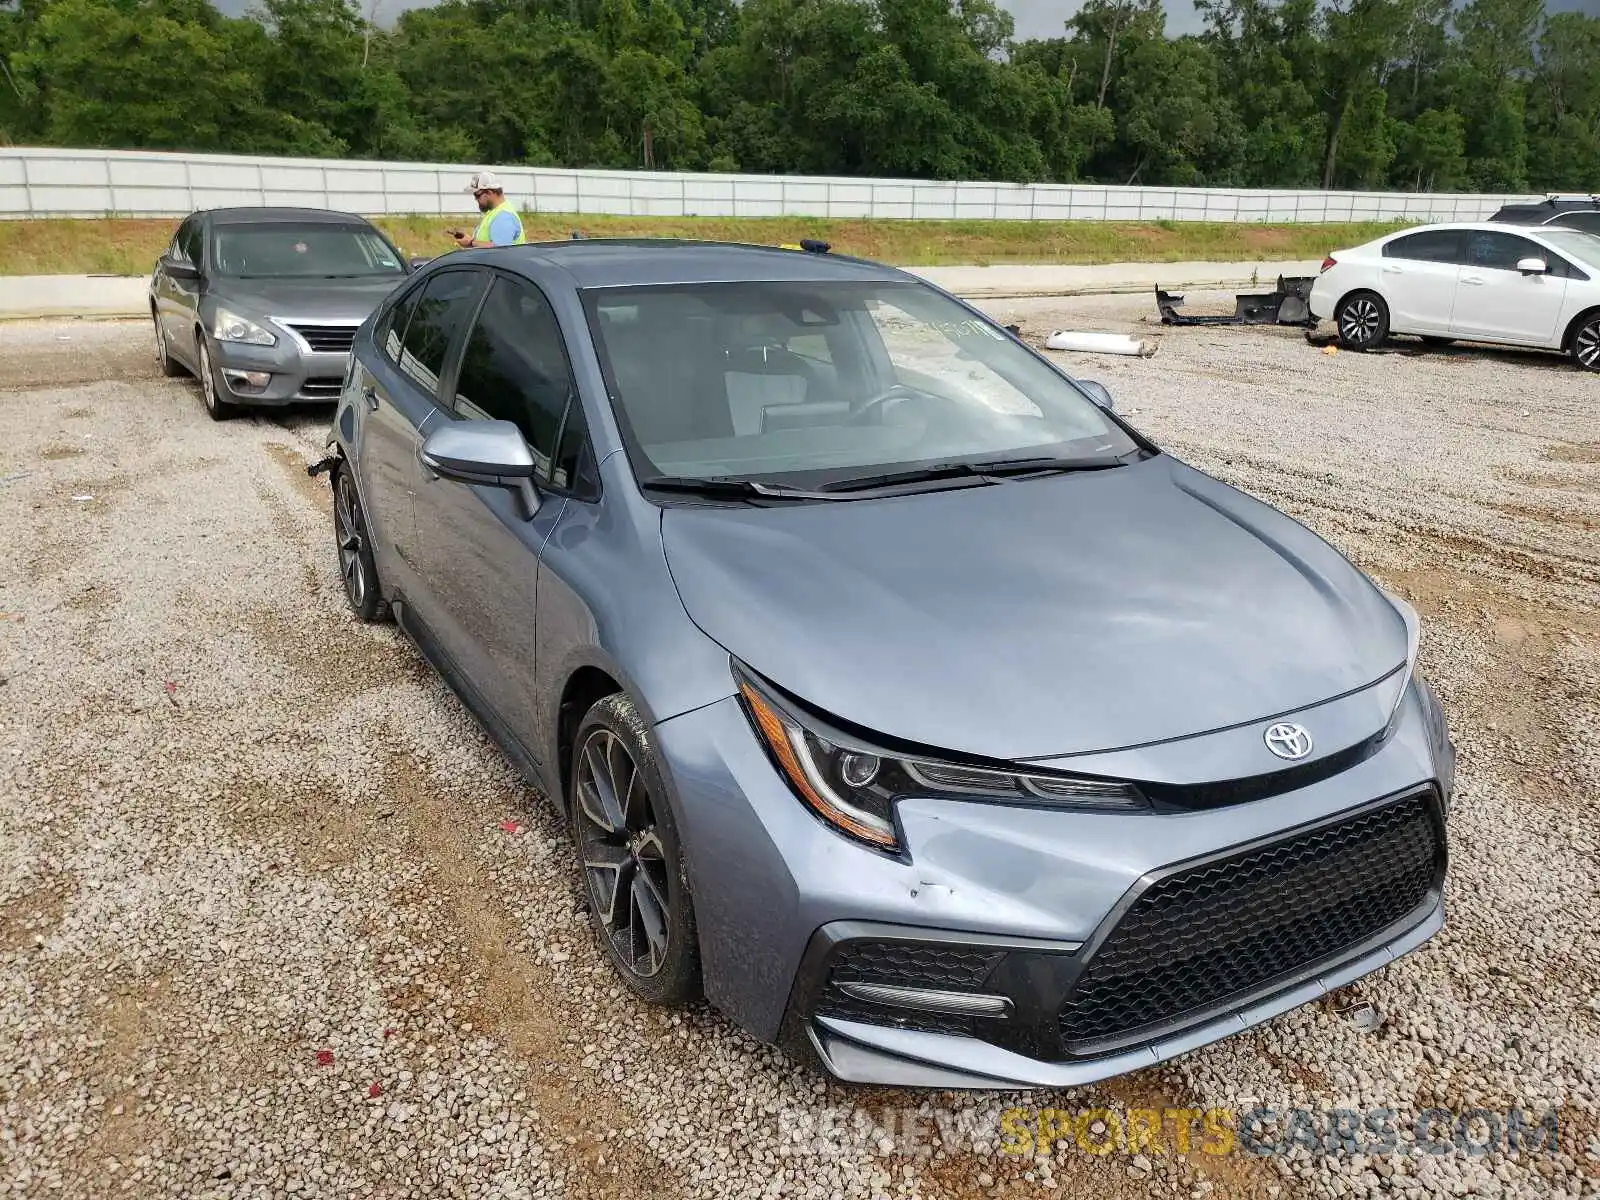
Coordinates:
<point>905,964</point>
<point>1201,937</point>
<point>335,339</point>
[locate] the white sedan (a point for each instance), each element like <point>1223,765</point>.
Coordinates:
<point>1476,282</point>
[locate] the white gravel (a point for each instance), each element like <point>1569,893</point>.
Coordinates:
<point>238,830</point>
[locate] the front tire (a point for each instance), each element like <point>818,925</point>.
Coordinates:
<point>358,570</point>
<point>1586,344</point>
<point>218,408</point>
<point>635,878</point>
<point>1362,319</point>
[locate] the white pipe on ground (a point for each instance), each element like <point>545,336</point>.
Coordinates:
<point>1094,343</point>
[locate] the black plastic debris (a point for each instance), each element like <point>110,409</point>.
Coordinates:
<point>1288,304</point>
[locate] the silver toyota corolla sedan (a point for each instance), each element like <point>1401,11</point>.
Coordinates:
<point>901,699</point>
<point>261,304</point>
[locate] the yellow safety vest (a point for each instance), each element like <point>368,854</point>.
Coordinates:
<point>481,236</point>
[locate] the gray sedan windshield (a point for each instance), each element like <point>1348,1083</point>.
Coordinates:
<point>287,251</point>
<point>821,380</point>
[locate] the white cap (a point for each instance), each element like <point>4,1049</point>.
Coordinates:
<point>485,181</point>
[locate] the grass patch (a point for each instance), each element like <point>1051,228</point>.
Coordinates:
<point>130,246</point>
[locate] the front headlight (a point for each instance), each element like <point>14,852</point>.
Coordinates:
<point>854,787</point>
<point>231,327</point>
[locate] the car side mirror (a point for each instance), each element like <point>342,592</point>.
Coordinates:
<point>1533,266</point>
<point>1098,393</point>
<point>180,270</point>
<point>492,453</point>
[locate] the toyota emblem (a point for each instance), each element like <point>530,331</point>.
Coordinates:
<point>1288,740</point>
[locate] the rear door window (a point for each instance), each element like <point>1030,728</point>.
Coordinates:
<point>1434,245</point>
<point>442,310</point>
<point>391,330</point>
<point>1588,222</point>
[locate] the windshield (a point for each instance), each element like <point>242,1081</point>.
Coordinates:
<point>273,251</point>
<point>814,383</point>
<point>1583,246</point>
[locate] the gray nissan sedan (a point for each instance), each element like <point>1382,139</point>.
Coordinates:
<point>901,699</point>
<point>261,304</point>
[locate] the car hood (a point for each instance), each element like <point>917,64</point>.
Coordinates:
<point>305,299</point>
<point>1037,618</point>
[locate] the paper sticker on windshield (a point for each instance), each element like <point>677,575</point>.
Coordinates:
<point>387,262</point>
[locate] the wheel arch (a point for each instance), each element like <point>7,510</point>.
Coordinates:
<point>1577,323</point>
<point>585,687</point>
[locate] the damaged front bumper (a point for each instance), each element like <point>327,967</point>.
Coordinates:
<point>1288,304</point>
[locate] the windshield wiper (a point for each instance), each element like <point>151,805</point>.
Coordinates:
<point>984,469</point>
<point>731,487</point>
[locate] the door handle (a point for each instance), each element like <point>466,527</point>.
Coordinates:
<point>1473,280</point>
<point>371,395</point>
<point>1388,270</point>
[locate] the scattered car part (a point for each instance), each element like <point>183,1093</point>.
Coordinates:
<point>1289,304</point>
<point>1095,343</point>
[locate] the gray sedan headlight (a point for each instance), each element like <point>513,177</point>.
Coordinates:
<point>229,326</point>
<point>854,787</point>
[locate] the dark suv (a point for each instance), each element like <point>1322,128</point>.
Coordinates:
<point>1565,212</point>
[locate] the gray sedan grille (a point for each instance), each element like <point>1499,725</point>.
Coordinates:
<point>331,339</point>
<point>1218,933</point>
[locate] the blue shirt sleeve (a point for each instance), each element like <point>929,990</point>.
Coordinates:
<point>503,230</point>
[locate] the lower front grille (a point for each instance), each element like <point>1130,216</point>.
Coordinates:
<point>1202,937</point>
<point>321,389</point>
<point>333,339</point>
<point>905,964</point>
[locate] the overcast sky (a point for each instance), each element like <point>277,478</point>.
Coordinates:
<point>1035,18</point>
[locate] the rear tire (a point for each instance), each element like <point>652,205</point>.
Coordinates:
<point>218,408</point>
<point>1362,319</point>
<point>1586,344</point>
<point>634,876</point>
<point>358,570</point>
<point>169,365</point>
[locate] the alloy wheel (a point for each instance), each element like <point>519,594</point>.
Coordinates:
<point>625,864</point>
<point>1586,346</point>
<point>1359,321</point>
<point>208,383</point>
<point>347,531</point>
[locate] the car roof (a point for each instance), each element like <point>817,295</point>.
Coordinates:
<point>1541,211</point>
<point>263,216</point>
<point>647,262</point>
<point>1470,226</point>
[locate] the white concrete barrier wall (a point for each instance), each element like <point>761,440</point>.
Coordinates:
<point>96,183</point>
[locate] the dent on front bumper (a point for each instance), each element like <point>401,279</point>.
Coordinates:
<point>771,883</point>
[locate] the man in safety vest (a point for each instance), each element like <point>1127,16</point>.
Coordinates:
<point>500,225</point>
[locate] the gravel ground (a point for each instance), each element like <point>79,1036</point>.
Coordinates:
<point>276,919</point>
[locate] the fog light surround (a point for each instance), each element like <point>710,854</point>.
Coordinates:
<point>246,381</point>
